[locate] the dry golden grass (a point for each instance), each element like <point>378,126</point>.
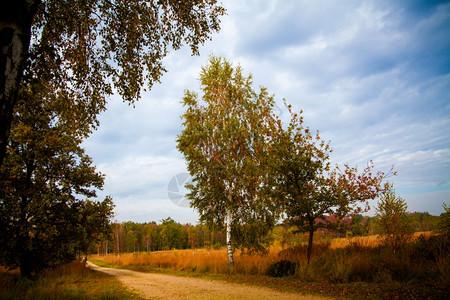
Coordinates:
<point>367,241</point>
<point>198,260</point>
<point>216,261</point>
<point>4,270</point>
<point>339,261</point>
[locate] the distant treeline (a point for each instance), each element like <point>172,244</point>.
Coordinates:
<point>141,237</point>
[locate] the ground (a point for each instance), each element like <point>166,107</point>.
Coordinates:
<point>162,286</point>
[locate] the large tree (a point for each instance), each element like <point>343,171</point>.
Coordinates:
<point>308,189</point>
<point>45,179</point>
<point>88,49</point>
<point>224,141</point>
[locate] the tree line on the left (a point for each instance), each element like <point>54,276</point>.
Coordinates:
<point>130,236</point>
<point>59,63</point>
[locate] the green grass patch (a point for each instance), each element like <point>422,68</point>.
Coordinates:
<point>73,281</point>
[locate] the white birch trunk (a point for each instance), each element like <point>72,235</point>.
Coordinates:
<point>15,35</point>
<point>228,220</point>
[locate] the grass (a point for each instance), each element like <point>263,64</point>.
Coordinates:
<point>358,267</point>
<point>355,290</point>
<point>72,281</point>
<point>367,241</point>
<point>195,261</point>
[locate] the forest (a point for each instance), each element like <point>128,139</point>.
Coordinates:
<point>129,237</point>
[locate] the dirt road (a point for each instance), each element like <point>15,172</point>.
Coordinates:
<point>161,286</point>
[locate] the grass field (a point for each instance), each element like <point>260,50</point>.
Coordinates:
<point>367,241</point>
<point>72,281</point>
<point>356,267</point>
<point>216,261</point>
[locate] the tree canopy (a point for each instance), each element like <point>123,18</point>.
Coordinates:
<point>45,179</point>
<point>305,186</point>
<point>89,49</point>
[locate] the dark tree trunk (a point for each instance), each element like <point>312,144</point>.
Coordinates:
<point>25,266</point>
<point>26,263</point>
<point>16,17</point>
<point>310,244</point>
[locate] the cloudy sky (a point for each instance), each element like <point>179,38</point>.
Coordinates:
<point>372,76</point>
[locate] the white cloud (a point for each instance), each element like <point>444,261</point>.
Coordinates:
<point>147,209</point>
<point>134,174</point>
<point>373,77</point>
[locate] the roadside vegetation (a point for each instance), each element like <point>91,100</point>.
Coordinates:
<point>71,281</point>
<point>361,266</point>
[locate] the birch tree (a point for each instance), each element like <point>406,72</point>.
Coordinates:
<point>224,141</point>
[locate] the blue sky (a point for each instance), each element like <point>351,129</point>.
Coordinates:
<point>372,76</point>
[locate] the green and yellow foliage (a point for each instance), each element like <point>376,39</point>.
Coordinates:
<point>396,228</point>
<point>225,143</point>
<point>444,221</point>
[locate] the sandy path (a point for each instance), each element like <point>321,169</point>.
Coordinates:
<point>161,286</point>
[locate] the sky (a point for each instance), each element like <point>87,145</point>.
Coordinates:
<point>372,76</point>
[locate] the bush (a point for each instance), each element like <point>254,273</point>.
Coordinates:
<point>429,249</point>
<point>216,246</point>
<point>298,253</point>
<point>399,269</point>
<point>282,268</point>
<point>444,221</point>
<point>362,268</point>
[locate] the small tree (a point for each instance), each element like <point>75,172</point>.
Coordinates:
<point>308,189</point>
<point>358,225</point>
<point>444,221</point>
<point>395,226</point>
